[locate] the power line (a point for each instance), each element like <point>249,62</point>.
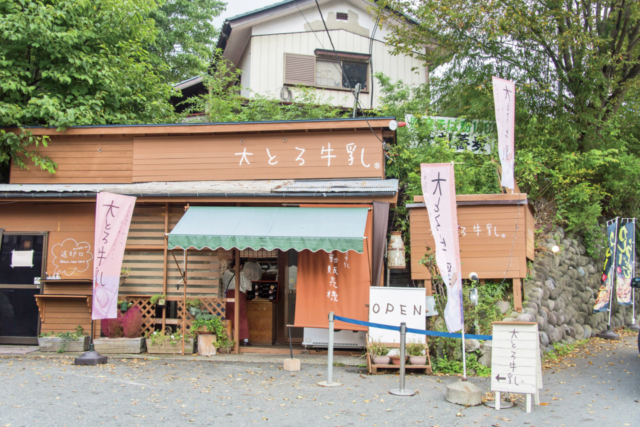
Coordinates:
<point>356,100</point>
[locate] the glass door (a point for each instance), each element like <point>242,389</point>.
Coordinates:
<point>21,267</point>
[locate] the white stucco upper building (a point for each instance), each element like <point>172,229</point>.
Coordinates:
<point>285,44</point>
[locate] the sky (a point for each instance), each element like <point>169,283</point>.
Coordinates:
<point>236,7</point>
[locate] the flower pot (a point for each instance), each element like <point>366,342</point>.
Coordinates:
<point>395,360</point>
<point>161,302</point>
<point>119,345</point>
<point>124,307</point>
<point>202,330</point>
<point>418,360</point>
<point>380,360</point>
<point>193,311</point>
<point>61,345</point>
<point>168,348</point>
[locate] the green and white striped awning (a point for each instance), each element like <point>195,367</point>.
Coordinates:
<point>270,228</point>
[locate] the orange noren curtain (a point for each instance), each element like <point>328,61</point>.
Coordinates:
<point>334,281</point>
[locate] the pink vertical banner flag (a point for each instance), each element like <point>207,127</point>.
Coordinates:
<point>439,190</point>
<point>504,97</point>
<point>113,217</point>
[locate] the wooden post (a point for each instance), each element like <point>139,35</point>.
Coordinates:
<point>517,295</point>
<point>166,259</point>
<point>428,287</point>
<point>236,305</point>
<point>184,300</point>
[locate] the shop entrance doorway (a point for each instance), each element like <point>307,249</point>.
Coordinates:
<point>21,267</point>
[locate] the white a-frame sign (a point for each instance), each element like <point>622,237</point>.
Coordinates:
<point>515,360</point>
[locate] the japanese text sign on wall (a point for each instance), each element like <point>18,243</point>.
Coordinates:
<point>504,97</point>
<point>393,306</point>
<point>515,359</point>
<point>439,190</point>
<point>71,257</point>
<point>113,217</point>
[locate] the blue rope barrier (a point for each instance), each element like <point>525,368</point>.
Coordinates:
<point>413,331</point>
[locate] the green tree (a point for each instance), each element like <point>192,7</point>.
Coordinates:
<point>76,62</point>
<point>577,69</point>
<point>186,37</point>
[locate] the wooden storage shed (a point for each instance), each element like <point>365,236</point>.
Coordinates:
<point>496,234</point>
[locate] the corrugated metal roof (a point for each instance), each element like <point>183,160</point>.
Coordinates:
<point>339,186</point>
<point>211,187</point>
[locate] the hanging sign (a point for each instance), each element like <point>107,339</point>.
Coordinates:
<point>515,359</point>
<point>113,217</point>
<point>475,136</point>
<point>624,261</point>
<point>504,97</point>
<point>604,294</point>
<point>393,306</point>
<point>439,190</point>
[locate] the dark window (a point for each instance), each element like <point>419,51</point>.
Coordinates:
<point>342,16</point>
<point>354,73</point>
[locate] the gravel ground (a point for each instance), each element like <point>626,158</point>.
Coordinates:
<point>598,385</point>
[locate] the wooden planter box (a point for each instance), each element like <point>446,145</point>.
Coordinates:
<point>119,345</point>
<point>168,348</point>
<point>61,345</point>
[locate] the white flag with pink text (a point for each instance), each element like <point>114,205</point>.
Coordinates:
<point>439,190</point>
<point>113,217</point>
<point>504,97</point>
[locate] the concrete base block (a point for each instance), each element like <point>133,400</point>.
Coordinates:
<point>291,365</point>
<point>464,393</point>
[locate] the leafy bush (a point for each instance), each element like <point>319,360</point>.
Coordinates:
<point>127,325</point>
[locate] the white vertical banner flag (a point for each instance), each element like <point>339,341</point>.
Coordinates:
<point>439,190</point>
<point>504,97</point>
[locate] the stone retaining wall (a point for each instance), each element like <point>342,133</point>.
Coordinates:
<point>561,295</point>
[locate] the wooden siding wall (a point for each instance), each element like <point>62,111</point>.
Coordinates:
<point>63,222</point>
<point>83,160</point>
<point>217,157</point>
<point>145,258</point>
<point>74,221</point>
<point>488,256</point>
<point>267,62</point>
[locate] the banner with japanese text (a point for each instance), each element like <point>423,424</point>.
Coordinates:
<point>439,190</point>
<point>334,281</point>
<point>624,261</point>
<point>113,217</point>
<point>604,294</point>
<point>504,97</point>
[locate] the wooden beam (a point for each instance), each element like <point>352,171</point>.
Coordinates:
<point>236,304</point>
<point>517,295</point>
<point>166,259</point>
<point>195,129</point>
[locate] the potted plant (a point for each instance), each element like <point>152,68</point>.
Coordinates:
<point>64,341</point>
<point>159,300</point>
<point>194,306</point>
<point>212,334</point>
<point>122,335</point>
<point>168,343</point>
<point>124,273</point>
<point>379,353</point>
<point>395,359</point>
<point>417,353</point>
<point>124,305</point>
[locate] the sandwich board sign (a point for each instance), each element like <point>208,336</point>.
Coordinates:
<point>515,360</point>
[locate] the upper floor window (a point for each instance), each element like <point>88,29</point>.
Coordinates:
<point>328,69</point>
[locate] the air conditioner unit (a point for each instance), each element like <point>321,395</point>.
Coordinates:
<point>315,337</point>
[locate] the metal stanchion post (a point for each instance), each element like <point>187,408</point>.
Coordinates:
<point>403,339</point>
<point>329,382</point>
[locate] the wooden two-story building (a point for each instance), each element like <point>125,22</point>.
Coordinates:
<point>283,168</point>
